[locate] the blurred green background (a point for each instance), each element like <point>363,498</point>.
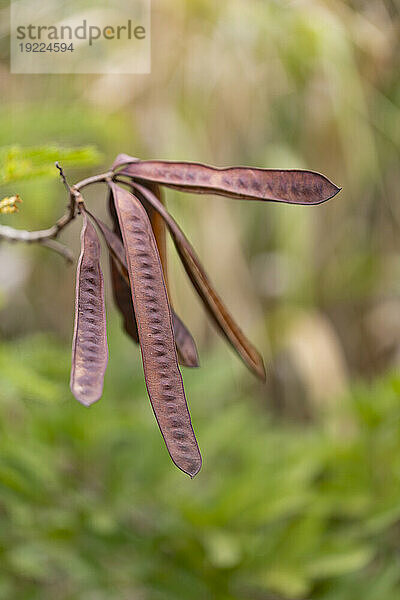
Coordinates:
<point>299,495</point>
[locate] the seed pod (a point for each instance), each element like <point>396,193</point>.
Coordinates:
<point>209,296</point>
<point>185,344</point>
<point>89,346</point>
<point>277,185</point>
<point>157,344</point>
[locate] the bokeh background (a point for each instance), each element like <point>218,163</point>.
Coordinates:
<point>299,495</point>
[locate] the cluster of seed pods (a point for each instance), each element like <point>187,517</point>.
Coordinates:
<point>136,245</point>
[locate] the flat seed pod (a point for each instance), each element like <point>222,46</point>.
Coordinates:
<point>213,303</point>
<point>89,346</point>
<point>277,185</point>
<point>157,344</point>
<point>185,344</point>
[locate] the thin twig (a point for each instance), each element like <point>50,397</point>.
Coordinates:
<point>62,175</point>
<point>59,248</point>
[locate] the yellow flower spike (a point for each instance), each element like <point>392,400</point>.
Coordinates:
<point>10,205</point>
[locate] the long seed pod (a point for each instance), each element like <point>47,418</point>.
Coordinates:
<point>157,344</point>
<point>89,346</point>
<point>185,344</point>
<point>277,185</point>
<point>209,296</point>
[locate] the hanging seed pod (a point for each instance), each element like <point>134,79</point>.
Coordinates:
<point>185,344</point>
<point>89,346</point>
<point>157,344</point>
<point>277,185</point>
<point>213,303</point>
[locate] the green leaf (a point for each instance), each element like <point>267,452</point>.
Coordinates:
<point>17,163</point>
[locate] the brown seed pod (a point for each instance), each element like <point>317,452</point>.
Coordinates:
<point>185,344</point>
<point>209,296</point>
<point>89,346</point>
<point>277,185</point>
<point>157,344</point>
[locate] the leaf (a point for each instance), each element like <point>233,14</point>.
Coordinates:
<point>89,347</point>
<point>210,298</point>
<point>277,185</point>
<point>340,563</point>
<point>157,344</point>
<point>18,163</point>
<point>185,344</point>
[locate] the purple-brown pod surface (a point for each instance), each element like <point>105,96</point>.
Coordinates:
<point>157,344</point>
<point>246,183</point>
<point>89,346</point>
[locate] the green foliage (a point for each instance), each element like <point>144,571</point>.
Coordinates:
<point>17,163</point>
<point>91,507</point>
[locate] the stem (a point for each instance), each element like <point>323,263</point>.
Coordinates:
<point>46,237</point>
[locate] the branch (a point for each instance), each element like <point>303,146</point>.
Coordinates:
<point>59,248</point>
<point>46,237</point>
